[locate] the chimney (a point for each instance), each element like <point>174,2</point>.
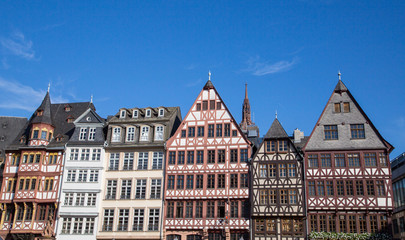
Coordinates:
<point>298,135</point>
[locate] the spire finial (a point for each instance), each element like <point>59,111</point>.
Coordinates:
<point>276,114</point>
<point>49,86</point>
<point>246,93</point>
<point>339,75</point>
<point>209,75</point>
<point>91,98</point>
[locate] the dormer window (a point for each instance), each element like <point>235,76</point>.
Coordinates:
<point>92,134</point>
<point>148,113</point>
<point>44,134</point>
<point>116,136</point>
<point>161,112</point>
<point>22,139</point>
<point>159,133</point>
<point>83,134</point>
<point>135,114</point>
<point>122,114</point>
<point>68,108</point>
<point>35,134</point>
<point>70,119</point>
<point>40,113</point>
<point>145,134</point>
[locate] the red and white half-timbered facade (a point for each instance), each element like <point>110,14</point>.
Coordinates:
<point>207,174</point>
<point>348,176</point>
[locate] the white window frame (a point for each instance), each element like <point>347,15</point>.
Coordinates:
<point>122,114</point>
<point>130,134</point>
<point>83,134</point>
<point>144,133</point>
<point>116,134</point>
<point>148,113</point>
<point>161,112</point>
<point>159,131</point>
<point>92,134</point>
<point>68,199</point>
<point>135,114</point>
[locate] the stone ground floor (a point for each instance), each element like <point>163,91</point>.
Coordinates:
<point>278,228</point>
<point>206,234</point>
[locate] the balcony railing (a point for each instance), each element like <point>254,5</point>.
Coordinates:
<point>107,227</point>
<point>122,227</point>
<point>137,227</point>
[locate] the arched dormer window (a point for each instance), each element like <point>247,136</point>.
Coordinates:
<point>161,112</point>
<point>116,134</point>
<point>135,114</point>
<point>122,114</point>
<point>40,113</point>
<point>144,133</point>
<point>148,113</point>
<point>159,130</point>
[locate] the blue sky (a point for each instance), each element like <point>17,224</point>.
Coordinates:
<point>154,53</point>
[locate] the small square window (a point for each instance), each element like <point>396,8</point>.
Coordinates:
<point>331,132</point>
<point>234,133</point>
<point>357,131</point>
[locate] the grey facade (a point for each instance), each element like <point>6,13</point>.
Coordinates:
<point>398,185</point>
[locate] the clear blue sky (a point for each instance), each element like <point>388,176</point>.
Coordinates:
<point>153,53</point>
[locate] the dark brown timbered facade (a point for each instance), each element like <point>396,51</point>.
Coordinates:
<point>278,202</point>
<point>207,174</point>
<point>33,170</point>
<point>348,175</point>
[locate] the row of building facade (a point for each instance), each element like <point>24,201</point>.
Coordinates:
<point>148,173</point>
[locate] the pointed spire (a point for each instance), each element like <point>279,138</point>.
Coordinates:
<point>246,93</point>
<point>43,112</point>
<point>209,75</point>
<point>246,117</point>
<point>276,114</point>
<point>276,130</point>
<point>209,84</point>
<point>339,75</point>
<point>91,98</point>
<point>340,86</point>
<point>49,86</point>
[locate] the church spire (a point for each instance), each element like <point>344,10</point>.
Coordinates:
<point>246,116</point>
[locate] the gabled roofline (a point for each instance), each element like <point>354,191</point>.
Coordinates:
<point>85,113</point>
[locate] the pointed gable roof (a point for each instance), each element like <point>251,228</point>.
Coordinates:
<point>208,85</point>
<point>276,130</point>
<point>89,116</point>
<point>45,108</point>
<point>340,87</point>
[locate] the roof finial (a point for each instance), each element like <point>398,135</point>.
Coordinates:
<point>91,98</point>
<point>276,114</point>
<point>339,75</point>
<point>209,75</point>
<point>49,86</point>
<point>246,93</point>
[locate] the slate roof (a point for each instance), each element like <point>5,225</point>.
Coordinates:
<point>276,130</point>
<point>45,107</point>
<point>208,85</point>
<point>59,116</point>
<point>9,129</point>
<point>340,87</point>
<point>169,111</point>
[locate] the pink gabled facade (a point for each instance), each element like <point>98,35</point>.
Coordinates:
<point>207,174</point>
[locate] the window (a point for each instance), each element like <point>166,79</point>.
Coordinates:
<point>291,170</point>
<point>123,220</point>
<point>357,131</point>
<point>200,131</point>
<point>212,104</point>
<point>198,209</point>
<point>313,161</point>
<point>326,161</point>
<point>91,199</point>
<point>190,182</point>
<point>89,229</point>
<point>244,181</point>
<point>346,107</point>
<point>263,170</point>
<point>93,176</point>
<point>234,209</point>
<point>172,158</point>
<point>199,182</point>
<point>71,176</point>
<point>380,188</point>
<point>227,130</point>
<point>180,182</point>
<point>370,188</point>
<point>219,130</point>
<point>155,188</point>
<point>48,184</point>
<point>77,226</point>
<point>52,158</point>
<point>153,220</point>
<point>234,155</point>
<point>340,188</point>
<point>211,156</point>
<point>170,210</point>
<point>211,181</point>
<point>74,154</point>
<point>159,133</point>
<point>122,114</point>
<point>243,155</point>
<point>145,134</point>
<point>205,105</point>
<point>200,157</point>
<point>180,157</point>
<point>263,197</point>
<point>340,160</point>
<point>161,112</point>
<point>221,181</point>
<point>114,161</point>
<point>148,113</point>
<point>92,134</point>
<point>126,189</point>
<point>179,210</point>
<point>370,160</point>
<point>116,136</point>
<point>221,209</point>
<point>354,160</point>
<point>135,114</point>
<point>83,134</point>
<point>383,159</point>
<point>352,223</point>
<point>234,133</point>
<point>130,134</point>
<point>108,219</point>
<point>189,209</point>
<point>221,156</point>
<point>170,182</point>
<point>332,223</point>
<point>282,171</point>
<point>191,131</point>
<point>44,134</point>
<point>143,161</point>
<point>282,146</point>
<point>96,156</point>
<point>198,107</point>
<point>210,130</point>
<point>349,188</point>
<point>82,176</point>
<point>283,197</point>
<point>80,199</point>
<point>331,132</point>
<point>190,157</point>
<point>66,225</point>
<point>272,170</point>
<point>157,161</point>
<point>272,197</point>
<point>85,156</point>
<point>140,189</point>
<point>68,199</point>
<point>138,220</point>
<point>342,223</point>
<point>183,133</point>
<point>337,107</point>
<point>321,188</point>
<point>285,226</point>
<point>329,188</point>
<point>234,180</point>
<point>111,189</point>
<point>35,134</point>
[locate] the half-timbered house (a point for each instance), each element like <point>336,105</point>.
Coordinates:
<point>33,170</point>
<point>207,174</point>
<point>348,175</point>
<point>278,201</point>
